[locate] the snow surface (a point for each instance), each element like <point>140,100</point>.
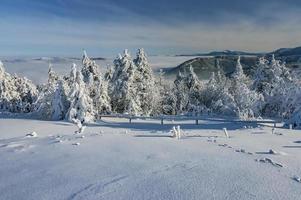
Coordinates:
<point>118,160</point>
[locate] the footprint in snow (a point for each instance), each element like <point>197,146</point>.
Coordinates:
<point>270,161</point>
<point>243,151</point>
<point>17,147</point>
<point>240,150</point>
<point>100,189</point>
<point>58,141</point>
<point>95,134</point>
<point>272,152</point>
<point>297,178</point>
<point>210,139</point>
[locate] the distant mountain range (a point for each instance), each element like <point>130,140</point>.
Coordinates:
<point>279,52</point>
<point>206,63</point>
<point>52,60</point>
<point>223,53</point>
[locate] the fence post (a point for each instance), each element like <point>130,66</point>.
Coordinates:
<point>162,121</point>
<point>197,122</point>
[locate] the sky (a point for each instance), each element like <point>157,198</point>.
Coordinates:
<point>106,27</point>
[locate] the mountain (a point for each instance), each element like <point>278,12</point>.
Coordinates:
<point>287,52</point>
<point>206,63</point>
<point>224,53</point>
<point>204,66</point>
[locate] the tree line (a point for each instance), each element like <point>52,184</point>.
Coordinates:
<point>131,87</point>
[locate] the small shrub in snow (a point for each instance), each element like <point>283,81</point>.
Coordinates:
<point>79,125</point>
<point>273,130</point>
<point>176,131</point>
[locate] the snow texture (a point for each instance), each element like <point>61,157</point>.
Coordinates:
<point>147,163</point>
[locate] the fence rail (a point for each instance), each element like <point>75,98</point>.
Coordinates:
<point>186,118</point>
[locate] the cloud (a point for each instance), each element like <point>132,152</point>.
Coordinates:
<point>161,27</point>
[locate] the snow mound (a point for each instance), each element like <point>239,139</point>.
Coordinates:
<point>32,134</point>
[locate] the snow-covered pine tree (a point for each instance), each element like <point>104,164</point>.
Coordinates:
<point>248,102</point>
<point>160,86</point>
<point>145,83</point>
<point>59,102</point>
<point>81,105</point>
<point>2,70</point>
<point>27,93</point>
<point>109,73</point>
<point>187,89</point>
<point>16,94</point>
<point>52,103</point>
<point>124,98</point>
<point>216,97</point>
<point>169,101</point>
<point>292,105</point>
<point>220,75</point>
<point>7,87</point>
<point>52,76</point>
<point>274,81</point>
<point>181,91</point>
<point>238,73</point>
<point>90,70</point>
<point>101,100</point>
<point>72,76</point>
<point>194,88</point>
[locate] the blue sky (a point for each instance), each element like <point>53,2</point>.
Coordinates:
<point>105,27</point>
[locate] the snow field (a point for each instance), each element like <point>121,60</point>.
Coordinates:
<point>118,160</point>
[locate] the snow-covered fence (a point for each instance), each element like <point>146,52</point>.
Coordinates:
<point>196,119</point>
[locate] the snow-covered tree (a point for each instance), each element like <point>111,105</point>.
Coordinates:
<point>52,102</point>
<point>238,73</point>
<point>274,81</point>
<point>52,76</point>
<point>166,100</point>
<point>145,83</point>
<point>16,94</point>
<point>59,102</point>
<point>90,70</point>
<point>2,70</point>
<point>194,87</point>
<point>292,105</point>
<point>109,73</point>
<point>181,92</point>
<point>101,100</point>
<point>81,105</point>
<point>72,76</point>
<point>248,102</point>
<point>216,97</point>
<point>187,92</point>
<point>124,98</point>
